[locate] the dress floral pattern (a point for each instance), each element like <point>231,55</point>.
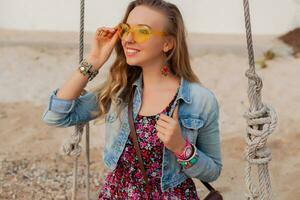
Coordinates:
<point>126,181</point>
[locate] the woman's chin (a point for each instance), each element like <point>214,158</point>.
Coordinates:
<point>132,61</point>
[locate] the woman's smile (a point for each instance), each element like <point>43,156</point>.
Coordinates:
<point>131,52</point>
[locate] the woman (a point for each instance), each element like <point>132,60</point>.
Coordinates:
<point>175,116</point>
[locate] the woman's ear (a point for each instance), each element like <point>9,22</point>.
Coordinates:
<point>169,44</point>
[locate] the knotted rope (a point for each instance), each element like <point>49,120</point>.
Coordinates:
<point>261,122</point>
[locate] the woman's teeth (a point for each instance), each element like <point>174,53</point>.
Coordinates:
<point>131,51</point>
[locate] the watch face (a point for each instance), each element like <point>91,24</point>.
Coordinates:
<point>188,152</point>
<point>81,68</point>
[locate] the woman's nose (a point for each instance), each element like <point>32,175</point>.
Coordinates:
<point>129,37</point>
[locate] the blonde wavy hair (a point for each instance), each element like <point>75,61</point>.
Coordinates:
<point>115,90</point>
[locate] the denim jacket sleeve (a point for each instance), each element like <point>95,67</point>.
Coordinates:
<point>209,165</point>
<point>65,113</point>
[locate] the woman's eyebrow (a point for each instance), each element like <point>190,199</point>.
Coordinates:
<point>144,25</point>
<point>141,25</point>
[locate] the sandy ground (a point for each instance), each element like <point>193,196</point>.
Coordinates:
<point>33,64</point>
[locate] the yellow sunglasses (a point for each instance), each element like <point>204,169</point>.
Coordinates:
<point>141,32</point>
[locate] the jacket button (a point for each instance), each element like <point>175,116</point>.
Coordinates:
<point>165,167</point>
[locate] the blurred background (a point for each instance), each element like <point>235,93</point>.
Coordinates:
<point>39,49</point>
<point>201,16</point>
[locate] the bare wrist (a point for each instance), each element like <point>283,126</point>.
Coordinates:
<point>181,147</point>
<point>97,64</point>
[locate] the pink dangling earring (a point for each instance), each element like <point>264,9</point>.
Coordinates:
<point>165,70</point>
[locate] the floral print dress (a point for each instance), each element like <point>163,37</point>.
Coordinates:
<point>126,181</point>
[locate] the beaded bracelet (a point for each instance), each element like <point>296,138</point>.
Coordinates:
<point>191,161</point>
<point>85,69</point>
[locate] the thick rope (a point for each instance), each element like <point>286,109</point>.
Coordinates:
<point>72,147</point>
<point>261,122</point>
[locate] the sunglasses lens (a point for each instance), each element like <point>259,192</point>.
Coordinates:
<point>140,34</point>
<point>123,30</point>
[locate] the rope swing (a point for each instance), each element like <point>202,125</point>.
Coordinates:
<point>261,121</point>
<point>71,147</point>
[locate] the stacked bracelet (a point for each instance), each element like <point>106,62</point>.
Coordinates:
<point>85,69</point>
<point>190,161</point>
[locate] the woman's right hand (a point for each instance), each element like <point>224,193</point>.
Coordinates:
<point>103,43</point>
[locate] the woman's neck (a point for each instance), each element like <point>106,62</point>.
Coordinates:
<point>156,81</point>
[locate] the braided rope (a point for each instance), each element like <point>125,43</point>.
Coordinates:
<point>261,122</point>
<point>71,146</point>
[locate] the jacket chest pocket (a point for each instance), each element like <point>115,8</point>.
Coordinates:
<point>190,127</point>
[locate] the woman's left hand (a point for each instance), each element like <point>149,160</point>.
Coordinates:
<point>169,132</point>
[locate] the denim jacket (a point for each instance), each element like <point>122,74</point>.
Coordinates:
<point>198,117</point>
